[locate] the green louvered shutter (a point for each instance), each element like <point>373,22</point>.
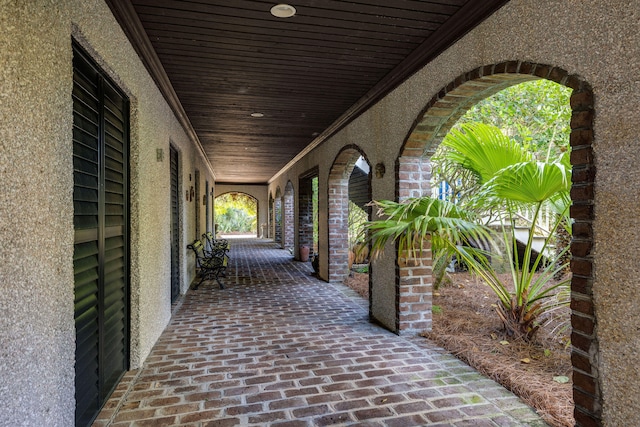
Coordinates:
<point>175,225</point>
<point>101,259</point>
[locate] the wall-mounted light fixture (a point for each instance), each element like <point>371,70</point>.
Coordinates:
<point>159,154</point>
<point>380,170</point>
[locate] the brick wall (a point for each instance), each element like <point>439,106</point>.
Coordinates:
<point>413,276</point>
<point>305,213</point>
<point>338,187</point>
<point>289,223</point>
<point>271,219</point>
<point>586,388</point>
<point>414,290</point>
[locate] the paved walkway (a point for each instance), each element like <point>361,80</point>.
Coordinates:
<point>278,347</point>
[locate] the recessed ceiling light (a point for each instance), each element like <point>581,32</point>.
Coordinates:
<point>257,114</point>
<point>283,10</point>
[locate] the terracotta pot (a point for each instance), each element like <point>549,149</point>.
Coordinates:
<point>304,253</point>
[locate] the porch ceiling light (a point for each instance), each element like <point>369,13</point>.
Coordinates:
<point>257,114</point>
<point>283,10</point>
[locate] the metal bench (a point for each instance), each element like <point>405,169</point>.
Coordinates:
<point>216,244</point>
<point>209,264</point>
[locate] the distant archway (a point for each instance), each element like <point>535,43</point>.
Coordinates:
<point>236,213</point>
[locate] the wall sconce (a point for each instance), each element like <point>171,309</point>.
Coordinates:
<point>380,170</point>
<point>159,154</point>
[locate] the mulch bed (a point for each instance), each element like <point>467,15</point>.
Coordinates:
<point>465,324</point>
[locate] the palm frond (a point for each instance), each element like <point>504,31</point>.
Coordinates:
<point>530,182</point>
<point>482,149</point>
<point>409,222</point>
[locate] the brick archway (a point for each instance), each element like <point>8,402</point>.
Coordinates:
<point>413,169</point>
<point>250,197</point>
<point>338,212</point>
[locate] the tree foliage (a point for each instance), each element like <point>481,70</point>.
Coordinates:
<point>357,220</point>
<point>236,212</point>
<point>534,114</point>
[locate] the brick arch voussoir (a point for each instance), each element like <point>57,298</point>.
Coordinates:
<point>445,108</point>
<point>238,192</point>
<point>345,161</point>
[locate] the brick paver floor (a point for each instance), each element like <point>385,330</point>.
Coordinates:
<point>278,347</point>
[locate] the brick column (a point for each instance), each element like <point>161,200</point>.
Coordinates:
<point>414,175</point>
<point>338,230</point>
<point>271,220</point>
<point>414,276</point>
<point>305,214</point>
<point>289,225</point>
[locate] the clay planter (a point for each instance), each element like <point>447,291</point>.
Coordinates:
<point>304,253</point>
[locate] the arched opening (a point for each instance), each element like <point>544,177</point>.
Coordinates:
<point>236,214</point>
<point>339,202</point>
<point>413,166</point>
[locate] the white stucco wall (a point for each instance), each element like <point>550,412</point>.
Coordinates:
<point>37,332</point>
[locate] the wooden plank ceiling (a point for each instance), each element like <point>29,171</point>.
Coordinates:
<point>219,61</point>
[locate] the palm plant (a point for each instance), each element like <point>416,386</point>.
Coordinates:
<point>508,179</point>
<point>407,224</point>
<point>534,185</point>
